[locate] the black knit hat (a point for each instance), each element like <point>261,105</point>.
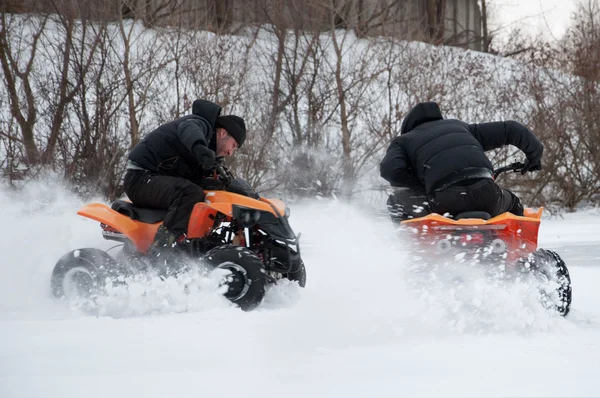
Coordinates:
<point>234,125</point>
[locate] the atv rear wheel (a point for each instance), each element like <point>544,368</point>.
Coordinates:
<point>246,280</point>
<point>79,274</point>
<point>547,267</point>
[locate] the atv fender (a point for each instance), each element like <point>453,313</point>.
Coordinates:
<point>141,234</point>
<point>222,201</point>
<point>277,204</point>
<point>202,220</point>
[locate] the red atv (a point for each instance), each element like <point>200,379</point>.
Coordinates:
<point>506,239</point>
<point>236,230</point>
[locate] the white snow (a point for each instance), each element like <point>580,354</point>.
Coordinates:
<point>370,322</point>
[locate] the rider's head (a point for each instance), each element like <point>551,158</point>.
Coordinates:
<point>231,134</point>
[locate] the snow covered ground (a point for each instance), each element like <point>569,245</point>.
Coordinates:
<point>363,327</point>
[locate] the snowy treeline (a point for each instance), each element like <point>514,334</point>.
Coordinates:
<point>321,108</point>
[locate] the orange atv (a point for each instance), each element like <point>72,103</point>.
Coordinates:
<point>235,230</point>
<point>506,239</point>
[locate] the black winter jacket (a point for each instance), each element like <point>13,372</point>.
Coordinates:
<point>431,150</point>
<point>181,148</point>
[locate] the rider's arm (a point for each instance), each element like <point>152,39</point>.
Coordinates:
<point>395,167</point>
<point>193,132</point>
<point>498,134</point>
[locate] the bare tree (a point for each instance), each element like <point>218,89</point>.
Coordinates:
<point>562,84</point>
<point>286,57</point>
<point>354,68</point>
<point>486,36</point>
<point>435,16</point>
<point>74,47</point>
<point>17,57</point>
<point>10,153</point>
<point>143,55</point>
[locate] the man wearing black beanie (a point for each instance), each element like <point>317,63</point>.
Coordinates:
<point>234,126</point>
<point>171,167</point>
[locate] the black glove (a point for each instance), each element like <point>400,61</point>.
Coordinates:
<point>206,157</point>
<point>531,165</point>
<point>211,184</point>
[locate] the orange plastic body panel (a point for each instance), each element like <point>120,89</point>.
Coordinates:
<point>279,205</point>
<point>520,232</point>
<point>141,234</point>
<point>201,220</point>
<point>223,201</point>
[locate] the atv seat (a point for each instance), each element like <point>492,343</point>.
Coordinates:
<point>473,214</point>
<point>142,214</point>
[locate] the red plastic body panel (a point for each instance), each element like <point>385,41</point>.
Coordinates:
<point>520,233</point>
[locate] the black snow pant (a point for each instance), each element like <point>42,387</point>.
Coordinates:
<point>176,195</point>
<point>407,203</point>
<point>481,195</point>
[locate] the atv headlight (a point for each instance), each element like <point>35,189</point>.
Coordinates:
<point>288,212</point>
<point>246,216</point>
<point>249,218</point>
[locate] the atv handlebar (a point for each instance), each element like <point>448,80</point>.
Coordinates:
<point>224,174</point>
<point>517,167</point>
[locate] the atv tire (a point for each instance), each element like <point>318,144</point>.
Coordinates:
<point>281,259</point>
<point>547,267</point>
<point>298,276</point>
<point>246,283</point>
<point>80,273</point>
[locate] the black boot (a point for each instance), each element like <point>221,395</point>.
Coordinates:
<point>164,238</point>
<point>164,254</point>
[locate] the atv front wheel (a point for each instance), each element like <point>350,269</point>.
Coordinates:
<point>298,275</point>
<point>78,275</point>
<point>549,269</point>
<point>281,261</point>
<point>246,279</point>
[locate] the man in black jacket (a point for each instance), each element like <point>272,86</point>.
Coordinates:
<point>442,162</point>
<point>170,168</point>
